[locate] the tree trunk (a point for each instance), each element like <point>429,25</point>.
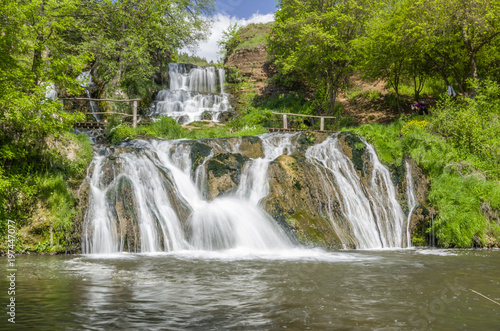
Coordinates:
<point>416,90</point>
<point>332,95</point>
<point>37,54</point>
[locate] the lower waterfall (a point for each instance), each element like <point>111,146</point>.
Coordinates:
<point>155,196</point>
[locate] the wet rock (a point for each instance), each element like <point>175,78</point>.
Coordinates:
<point>198,154</point>
<point>294,197</point>
<point>227,116</point>
<point>224,173</point>
<point>122,200</point>
<point>422,216</point>
<point>354,148</point>
<point>206,116</point>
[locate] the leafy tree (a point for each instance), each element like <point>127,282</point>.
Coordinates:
<point>45,44</point>
<point>229,41</point>
<point>314,39</point>
<point>389,51</point>
<point>132,39</point>
<point>454,34</point>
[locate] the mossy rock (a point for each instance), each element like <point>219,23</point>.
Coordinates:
<point>198,154</point>
<point>224,173</point>
<point>355,149</point>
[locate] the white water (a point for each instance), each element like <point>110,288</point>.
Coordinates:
<point>85,79</point>
<point>374,216</point>
<point>193,91</point>
<point>172,213</point>
<point>232,222</point>
<point>50,91</point>
<point>411,199</point>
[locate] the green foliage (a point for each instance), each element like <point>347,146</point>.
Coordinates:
<point>191,59</point>
<point>230,40</point>
<point>464,173</point>
<point>253,35</point>
<point>461,221</point>
<point>165,127</point>
<point>43,201</point>
<point>385,139</point>
<point>120,133</point>
<point>312,40</point>
<point>131,41</point>
<point>473,127</point>
<point>290,103</point>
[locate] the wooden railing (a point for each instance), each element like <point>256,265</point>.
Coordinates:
<point>134,107</point>
<point>285,119</point>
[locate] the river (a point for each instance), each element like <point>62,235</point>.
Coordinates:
<point>299,289</point>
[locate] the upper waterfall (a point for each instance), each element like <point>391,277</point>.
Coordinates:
<point>195,93</point>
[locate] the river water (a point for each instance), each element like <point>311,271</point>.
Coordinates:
<point>296,289</point>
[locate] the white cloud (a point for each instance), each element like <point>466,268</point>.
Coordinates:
<point>209,48</point>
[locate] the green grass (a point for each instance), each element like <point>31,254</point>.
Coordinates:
<point>462,198</point>
<point>45,206</point>
<point>253,35</point>
<point>433,88</point>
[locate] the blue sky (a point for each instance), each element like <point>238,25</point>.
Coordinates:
<point>245,8</point>
<point>228,13</point>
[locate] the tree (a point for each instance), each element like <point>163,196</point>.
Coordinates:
<point>314,38</point>
<point>454,34</point>
<point>389,51</point>
<point>132,39</point>
<point>229,41</point>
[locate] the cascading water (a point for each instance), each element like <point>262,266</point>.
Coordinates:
<point>161,191</point>
<point>85,79</point>
<point>372,212</point>
<point>50,91</point>
<point>411,199</point>
<point>155,197</point>
<point>195,92</point>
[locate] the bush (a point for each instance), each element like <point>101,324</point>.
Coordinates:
<point>464,180</point>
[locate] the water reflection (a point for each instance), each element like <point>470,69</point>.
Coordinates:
<point>406,289</point>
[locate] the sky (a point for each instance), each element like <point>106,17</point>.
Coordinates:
<point>234,11</point>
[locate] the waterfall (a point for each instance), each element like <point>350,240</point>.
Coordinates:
<point>50,91</point>
<point>85,79</point>
<point>195,92</point>
<point>374,216</point>
<point>157,196</point>
<point>162,191</point>
<point>411,199</point>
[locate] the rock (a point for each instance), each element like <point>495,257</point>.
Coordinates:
<point>122,199</point>
<point>250,62</point>
<point>227,116</point>
<point>294,197</point>
<point>198,154</point>
<point>206,116</point>
<point>224,173</point>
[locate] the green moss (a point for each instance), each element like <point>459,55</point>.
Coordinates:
<point>358,149</point>
<point>227,163</point>
<point>313,231</point>
<point>198,154</point>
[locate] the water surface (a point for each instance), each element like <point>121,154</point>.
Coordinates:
<point>294,290</point>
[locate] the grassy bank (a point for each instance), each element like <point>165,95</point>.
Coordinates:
<point>458,147</point>
<point>43,203</point>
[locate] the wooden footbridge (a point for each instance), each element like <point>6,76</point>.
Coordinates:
<point>286,129</point>
<point>99,125</point>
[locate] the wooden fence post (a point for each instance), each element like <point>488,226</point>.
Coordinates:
<point>134,110</point>
<point>285,123</point>
<point>322,124</point>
